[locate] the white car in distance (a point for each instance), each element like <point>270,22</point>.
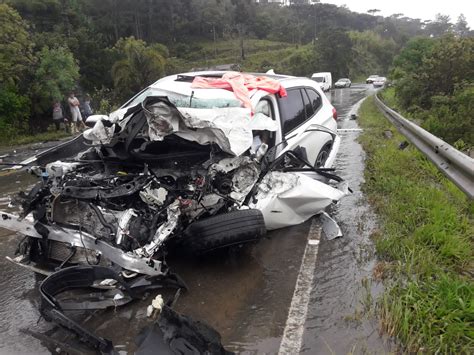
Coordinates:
<point>343,83</point>
<point>371,78</point>
<point>379,82</point>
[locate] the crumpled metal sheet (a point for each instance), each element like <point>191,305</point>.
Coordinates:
<point>228,127</point>
<point>99,133</point>
<point>163,232</point>
<point>162,120</point>
<point>330,227</point>
<point>287,199</point>
<point>245,174</point>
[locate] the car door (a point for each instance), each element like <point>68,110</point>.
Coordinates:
<point>300,112</point>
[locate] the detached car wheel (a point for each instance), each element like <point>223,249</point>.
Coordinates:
<point>224,230</point>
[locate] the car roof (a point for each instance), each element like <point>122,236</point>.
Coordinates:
<point>181,83</point>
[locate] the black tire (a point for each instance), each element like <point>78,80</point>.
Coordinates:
<point>224,230</point>
<point>322,156</point>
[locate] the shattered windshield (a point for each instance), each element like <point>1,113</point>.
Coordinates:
<point>181,100</point>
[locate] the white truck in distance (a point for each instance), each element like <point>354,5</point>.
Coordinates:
<point>324,80</point>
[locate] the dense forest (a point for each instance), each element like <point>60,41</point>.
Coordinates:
<point>110,49</point>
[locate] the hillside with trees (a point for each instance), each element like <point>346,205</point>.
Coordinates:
<point>434,83</point>
<point>113,48</point>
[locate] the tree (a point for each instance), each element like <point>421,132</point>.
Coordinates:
<point>373,11</point>
<point>331,43</point>
<point>139,66</point>
<point>14,112</point>
<point>55,75</point>
<point>407,67</point>
<point>15,46</point>
<point>371,53</point>
<point>440,26</point>
<point>461,28</point>
<point>243,13</point>
<point>449,66</point>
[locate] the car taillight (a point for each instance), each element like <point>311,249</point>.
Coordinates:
<point>334,113</point>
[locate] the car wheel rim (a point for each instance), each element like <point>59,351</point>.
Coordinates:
<point>322,157</point>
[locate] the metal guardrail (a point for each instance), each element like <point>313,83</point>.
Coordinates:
<point>458,167</point>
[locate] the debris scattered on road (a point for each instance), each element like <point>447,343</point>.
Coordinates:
<point>388,134</point>
<point>174,333</point>
<point>330,227</point>
<point>403,145</point>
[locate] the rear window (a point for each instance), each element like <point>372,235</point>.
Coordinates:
<point>318,79</point>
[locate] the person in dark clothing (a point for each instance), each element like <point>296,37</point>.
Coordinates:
<point>58,114</point>
<point>87,109</point>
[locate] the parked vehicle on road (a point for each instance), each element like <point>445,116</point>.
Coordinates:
<point>371,78</point>
<point>343,83</point>
<point>324,79</point>
<point>379,82</point>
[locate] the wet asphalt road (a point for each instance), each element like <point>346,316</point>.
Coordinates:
<point>246,293</point>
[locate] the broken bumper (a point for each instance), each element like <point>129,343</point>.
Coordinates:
<point>128,261</point>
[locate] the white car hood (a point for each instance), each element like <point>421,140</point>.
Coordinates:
<point>229,127</point>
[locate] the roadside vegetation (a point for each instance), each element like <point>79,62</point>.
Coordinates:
<point>434,84</point>
<point>48,136</point>
<point>111,49</point>
<point>425,245</point>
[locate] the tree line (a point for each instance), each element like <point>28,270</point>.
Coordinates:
<point>113,48</point>
<point>434,83</point>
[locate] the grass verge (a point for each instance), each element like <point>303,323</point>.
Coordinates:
<point>260,55</point>
<point>426,244</point>
<point>40,137</point>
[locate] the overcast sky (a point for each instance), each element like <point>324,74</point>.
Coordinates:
<point>422,9</point>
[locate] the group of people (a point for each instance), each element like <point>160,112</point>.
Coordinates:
<point>75,117</point>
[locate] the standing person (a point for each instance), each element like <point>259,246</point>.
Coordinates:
<point>58,114</point>
<point>87,109</point>
<point>75,113</point>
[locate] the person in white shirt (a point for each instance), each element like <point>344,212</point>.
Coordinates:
<point>75,112</point>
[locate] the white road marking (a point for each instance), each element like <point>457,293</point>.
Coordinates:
<point>342,130</point>
<point>294,328</point>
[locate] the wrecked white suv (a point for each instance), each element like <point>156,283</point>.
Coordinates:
<point>192,163</point>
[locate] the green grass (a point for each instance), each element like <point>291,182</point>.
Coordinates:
<point>388,96</point>
<point>426,243</point>
<point>260,55</point>
<point>40,137</point>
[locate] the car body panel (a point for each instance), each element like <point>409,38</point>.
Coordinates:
<point>294,199</point>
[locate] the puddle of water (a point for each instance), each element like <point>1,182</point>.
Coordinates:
<point>333,324</point>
